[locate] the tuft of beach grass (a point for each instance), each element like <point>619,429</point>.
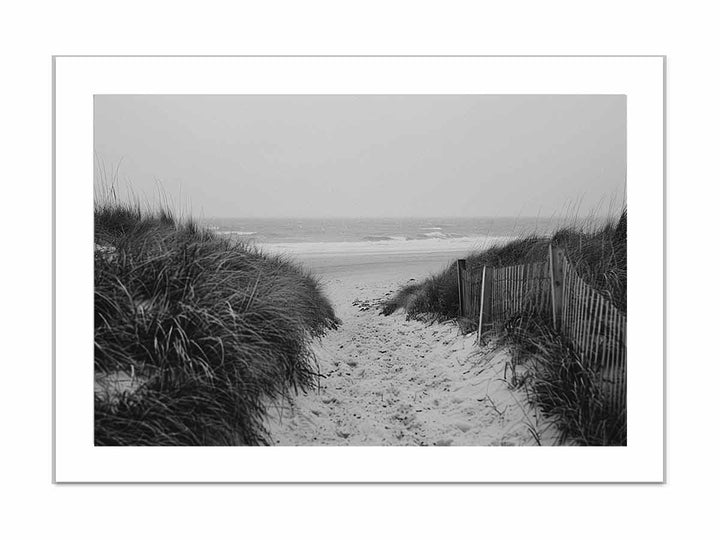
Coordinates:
<point>567,391</point>
<point>599,253</point>
<point>206,329</point>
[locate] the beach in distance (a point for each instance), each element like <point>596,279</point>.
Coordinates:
<point>382,248</point>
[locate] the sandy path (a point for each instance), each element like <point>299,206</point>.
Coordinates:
<point>390,381</point>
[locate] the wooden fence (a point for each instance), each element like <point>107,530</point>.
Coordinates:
<point>552,288</point>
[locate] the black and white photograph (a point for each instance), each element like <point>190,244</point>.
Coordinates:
<point>360,270</point>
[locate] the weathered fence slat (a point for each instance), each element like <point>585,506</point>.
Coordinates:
<point>616,357</point>
<point>482,302</point>
<point>580,290</point>
<point>460,280</point>
<point>587,323</point>
<point>598,334</point>
<point>575,308</point>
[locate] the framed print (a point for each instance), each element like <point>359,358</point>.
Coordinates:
<point>359,269</point>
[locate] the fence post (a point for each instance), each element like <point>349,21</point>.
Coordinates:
<point>461,285</point>
<point>484,300</point>
<point>556,283</point>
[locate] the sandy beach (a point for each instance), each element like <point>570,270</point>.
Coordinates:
<point>392,381</point>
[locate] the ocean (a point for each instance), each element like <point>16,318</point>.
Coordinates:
<point>377,235</point>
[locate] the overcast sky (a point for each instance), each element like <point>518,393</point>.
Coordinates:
<point>368,156</point>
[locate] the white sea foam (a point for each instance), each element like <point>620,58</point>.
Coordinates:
<point>239,233</point>
<point>425,245</point>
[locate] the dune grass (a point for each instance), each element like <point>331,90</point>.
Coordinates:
<point>206,331</point>
<point>569,393</point>
<point>597,252</point>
